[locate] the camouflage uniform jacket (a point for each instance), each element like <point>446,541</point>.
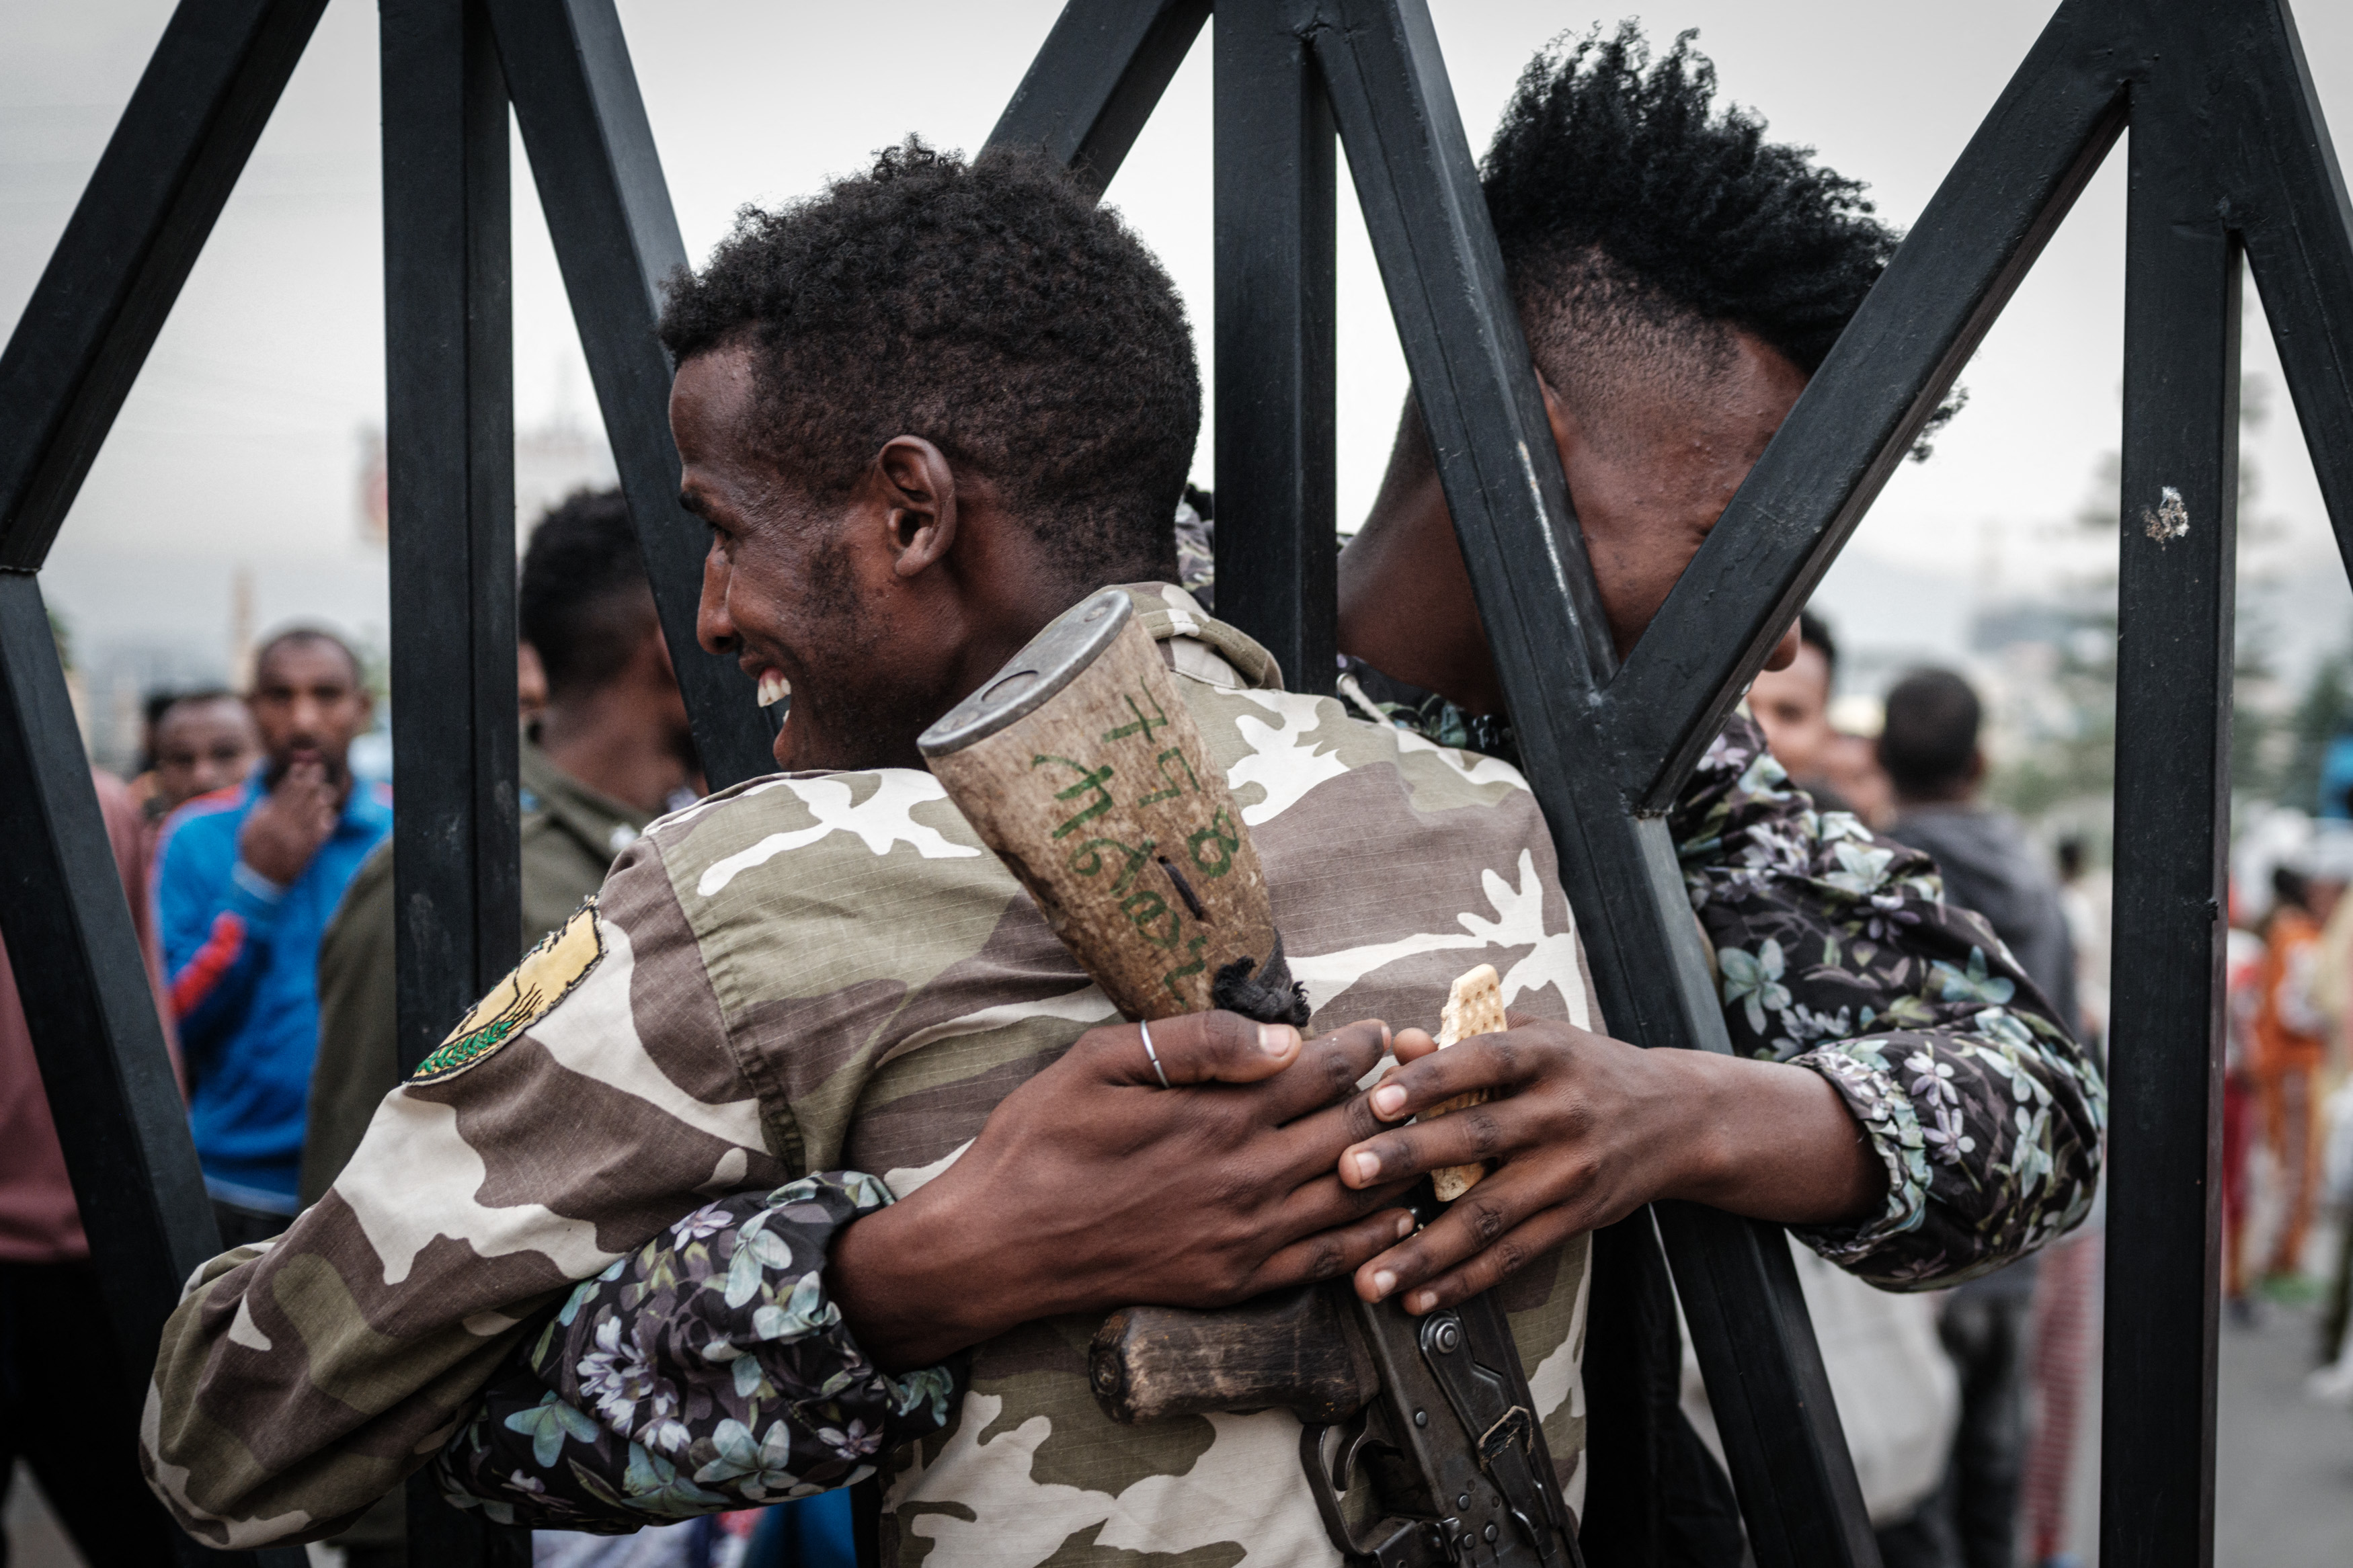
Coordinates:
<point>1833,949</point>
<point>799,976</point>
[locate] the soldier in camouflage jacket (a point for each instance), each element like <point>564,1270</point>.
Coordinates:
<point>1677,324</point>
<point>823,971</point>
<point>1832,947</point>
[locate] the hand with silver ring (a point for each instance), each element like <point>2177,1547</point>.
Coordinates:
<point>1081,1192</point>
<point>1161,1072</point>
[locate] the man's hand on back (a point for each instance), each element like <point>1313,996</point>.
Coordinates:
<point>1090,1186</point>
<point>1586,1129</point>
<point>286,827</point>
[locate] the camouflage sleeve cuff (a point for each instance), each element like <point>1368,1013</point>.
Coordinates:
<point>1886,1115</point>
<point>707,1372</point>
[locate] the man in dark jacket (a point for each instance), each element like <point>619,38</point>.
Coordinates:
<point>1930,750</point>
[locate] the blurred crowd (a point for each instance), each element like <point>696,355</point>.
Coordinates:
<point>258,870</point>
<point>2288,1108</point>
<point>1965,1408</point>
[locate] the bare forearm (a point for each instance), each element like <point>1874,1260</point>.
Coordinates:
<point>915,1287</point>
<point>1774,1141</point>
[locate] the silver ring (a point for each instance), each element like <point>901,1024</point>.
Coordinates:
<point>1149,1051</point>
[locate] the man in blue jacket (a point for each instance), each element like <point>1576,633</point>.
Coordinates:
<point>246,879</point>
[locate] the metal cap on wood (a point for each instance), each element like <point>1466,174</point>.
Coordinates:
<point>1053,659</point>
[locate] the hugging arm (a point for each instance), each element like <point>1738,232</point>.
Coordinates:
<point>774,1345</point>
<point>1908,1102</point>
<point>708,1369</point>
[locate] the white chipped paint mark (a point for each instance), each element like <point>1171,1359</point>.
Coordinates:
<point>1284,762</point>
<point>244,1330</point>
<point>882,820</point>
<point>414,1178</point>
<point>2169,521</point>
<point>904,1179</point>
<point>593,1031</point>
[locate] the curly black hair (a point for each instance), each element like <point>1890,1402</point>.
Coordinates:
<point>583,601</point>
<point>988,306</point>
<point>1613,182</point>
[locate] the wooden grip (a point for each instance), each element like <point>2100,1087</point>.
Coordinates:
<point>1299,1350</point>
<point>1099,796</point>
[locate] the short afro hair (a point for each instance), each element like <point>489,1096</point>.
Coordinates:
<point>1613,182</point>
<point>304,635</point>
<point>583,601</point>
<point>989,306</point>
<point>1931,734</point>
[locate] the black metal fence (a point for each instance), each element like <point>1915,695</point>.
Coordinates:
<point>2229,163</point>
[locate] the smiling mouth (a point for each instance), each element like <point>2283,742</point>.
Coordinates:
<point>773,688</point>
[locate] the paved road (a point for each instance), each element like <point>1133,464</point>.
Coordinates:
<point>2284,1463</point>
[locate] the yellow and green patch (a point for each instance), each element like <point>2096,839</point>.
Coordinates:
<point>544,977</point>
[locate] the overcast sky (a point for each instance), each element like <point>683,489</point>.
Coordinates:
<point>240,441</point>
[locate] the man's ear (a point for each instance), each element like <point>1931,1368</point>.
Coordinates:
<point>1566,435</point>
<point>918,503</point>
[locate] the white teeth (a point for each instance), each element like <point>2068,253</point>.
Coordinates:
<point>773,688</point>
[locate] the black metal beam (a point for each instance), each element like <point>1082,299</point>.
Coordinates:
<point>1987,222</point>
<point>1472,375</point>
<point>600,183</point>
<point>2290,196</point>
<point>165,174</point>
<point>1097,80</point>
<point>1477,391</point>
<point>449,461</point>
<point>92,1015</point>
<point>1278,550</point>
<point>2177,571</point>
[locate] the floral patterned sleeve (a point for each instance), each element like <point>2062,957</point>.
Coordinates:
<point>1836,950</point>
<point>706,1371</point>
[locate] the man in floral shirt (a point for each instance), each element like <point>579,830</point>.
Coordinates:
<point>1833,947</point>
<point>1836,946</point>
<point>1673,331</point>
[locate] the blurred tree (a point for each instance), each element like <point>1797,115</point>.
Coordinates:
<point>2072,760</point>
<point>2323,714</point>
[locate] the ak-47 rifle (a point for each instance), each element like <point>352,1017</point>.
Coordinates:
<point>1079,764</point>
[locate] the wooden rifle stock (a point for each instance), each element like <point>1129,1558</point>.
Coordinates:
<point>1080,764</point>
<point>1297,1349</point>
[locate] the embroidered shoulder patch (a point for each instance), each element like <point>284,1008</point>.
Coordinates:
<point>544,977</point>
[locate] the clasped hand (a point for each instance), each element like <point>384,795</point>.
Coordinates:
<point>1091,1187</point>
